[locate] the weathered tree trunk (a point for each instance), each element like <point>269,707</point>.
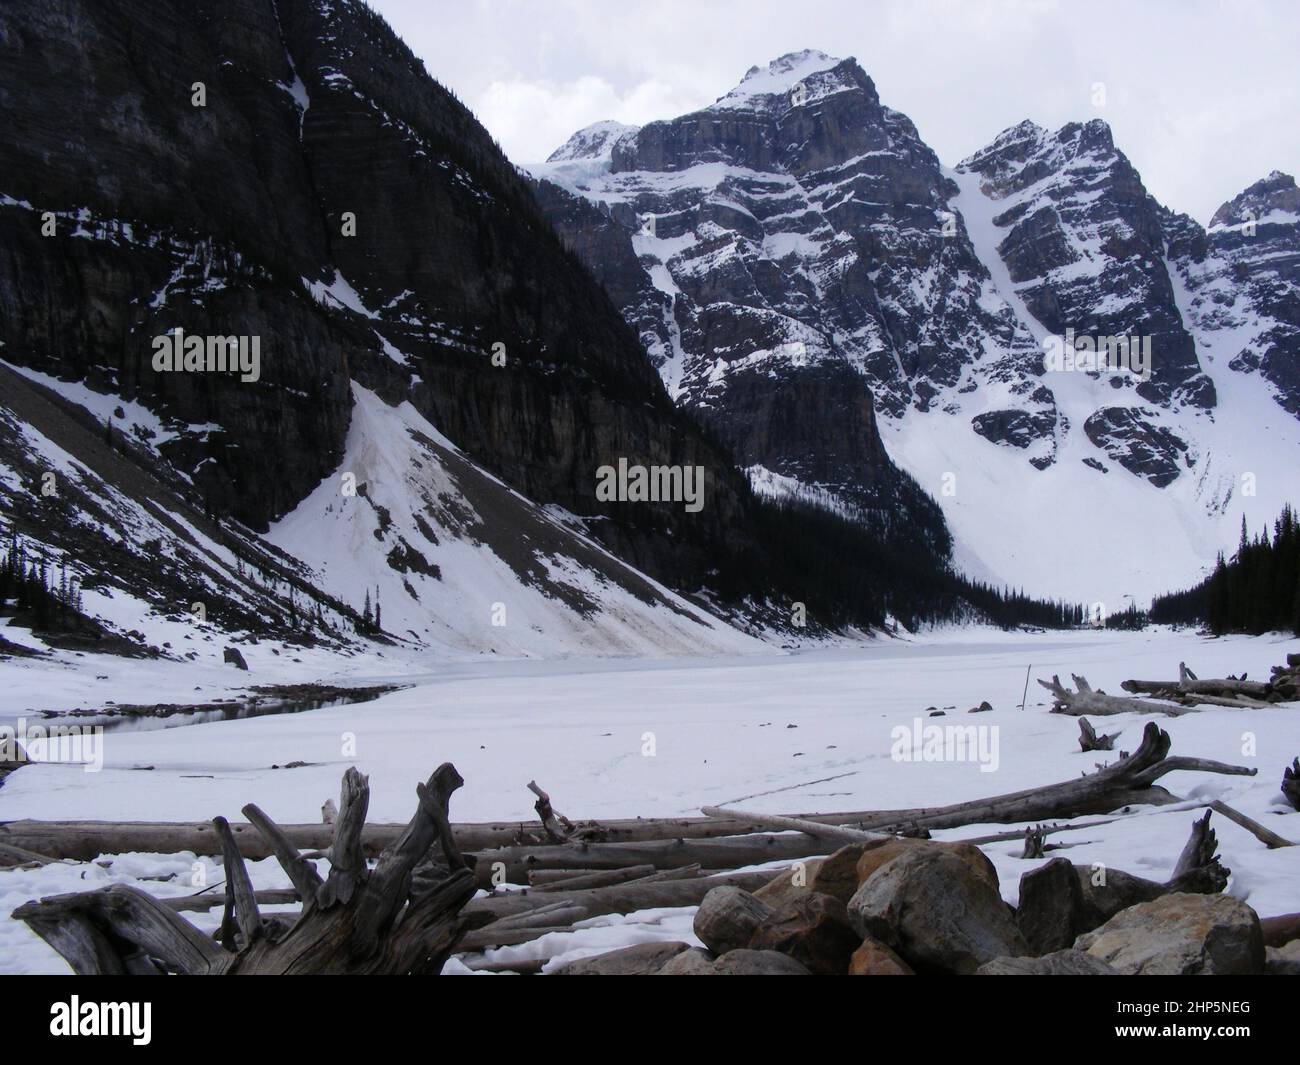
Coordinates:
<point>1265,835</point>
<point>1129,781</point>
<point>1291,783</point>
<point>834,834</point>
<point>1231,691</point>
<point>514,864</point>
<point>1087,701</point>
<point>87,840</point>
<point>1090,741</point>
<point>402,917</point>
<point>621,898</point>
<point>1280,930</point>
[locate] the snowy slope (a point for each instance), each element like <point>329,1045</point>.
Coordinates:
<point>1072,529</point>
<point>1107,536</point>
<point>456,560</point>
<point>152,569</point>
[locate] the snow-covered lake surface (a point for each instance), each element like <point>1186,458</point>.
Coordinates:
<point>787,733</point>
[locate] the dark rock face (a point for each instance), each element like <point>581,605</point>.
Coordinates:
<point>1243,282</point>
<point>1058,963</point>
<point>797,269</point>
<point>1084,245</point>
<point>813,929</point>
<point>176,227</point>
<point>1017,428</point>
<point>1137,443</point>
<point>335,202</point>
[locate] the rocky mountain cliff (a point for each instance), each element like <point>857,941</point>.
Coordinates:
<point>291,350</point>
<point>852,317</point>
<point>290,174</point>
<point>1242,281</point>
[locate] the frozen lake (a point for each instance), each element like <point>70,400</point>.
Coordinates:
<point>798,733</point>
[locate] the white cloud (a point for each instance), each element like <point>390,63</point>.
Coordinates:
<point>533,118</point>
<point>1202,96</point>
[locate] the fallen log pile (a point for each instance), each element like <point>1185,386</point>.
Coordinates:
<point>414,907</point>
<point>1181,696</point>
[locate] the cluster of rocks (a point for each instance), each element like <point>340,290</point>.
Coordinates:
<point>903,907</point>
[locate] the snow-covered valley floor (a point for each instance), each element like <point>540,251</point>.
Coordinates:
<point>788,733</point>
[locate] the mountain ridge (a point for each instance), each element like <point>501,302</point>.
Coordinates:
<point>867,268</point>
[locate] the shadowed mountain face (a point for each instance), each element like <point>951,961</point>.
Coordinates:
<point>287,170</point>
<point>851,316</point>
<point>1243,282</point>
<point>790,272</point>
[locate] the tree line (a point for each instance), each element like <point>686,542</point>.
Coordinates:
<point>1256,591</point>
<point>851,574</point>
<point>30,586</point>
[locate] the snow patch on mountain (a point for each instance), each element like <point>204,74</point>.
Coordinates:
<point>456,560</point>
<point>779,78</point>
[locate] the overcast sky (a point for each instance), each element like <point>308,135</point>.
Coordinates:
<point>1203,97</point>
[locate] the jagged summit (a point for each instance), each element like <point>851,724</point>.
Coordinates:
<point>795,80</point>
<point>848,314</point>
<point>1275,193</point>
<point>778,78</point>
<point>595,142</point>
<point>1017,143</point>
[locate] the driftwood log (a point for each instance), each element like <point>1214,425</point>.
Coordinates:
<point>1266,836</point>
<point>402,917</point>
<point>1291,783</point>
<point>87,840</point>
<point>1086,701</point>
<point>1283,686</point>
<point>1280,930</point>
<point>1090,741</point>
<point>515,864</point>
<point>1129,781</point>
<point>833,834</point>
<point>621,898</point>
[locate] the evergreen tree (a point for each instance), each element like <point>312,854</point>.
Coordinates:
<point>1256,591</point>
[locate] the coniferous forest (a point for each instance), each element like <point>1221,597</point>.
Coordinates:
<point>1256,591</point>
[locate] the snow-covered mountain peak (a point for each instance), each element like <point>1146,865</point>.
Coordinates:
<point>795,258</point>
<point>595,142</point>
<point>807,75</point>
<point>1014,142</point>
<point>1275,193</point>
